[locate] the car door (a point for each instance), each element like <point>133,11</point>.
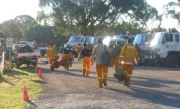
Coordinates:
<point>170,42</point>
<point>177,42</point>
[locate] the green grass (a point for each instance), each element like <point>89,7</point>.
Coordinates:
<point>12,85</point>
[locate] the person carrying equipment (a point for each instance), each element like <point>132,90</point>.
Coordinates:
<point>116,51</point>
<point>85,54</point>
<point>129,57</point>
<point>66,56</point>
<point>101,69</point>
<point>51,55</point>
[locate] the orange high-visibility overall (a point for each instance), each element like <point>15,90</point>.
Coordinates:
<point>86,64</point>
<point>66,58</point>
<point>116,62</point>
<point>51,54</point>
<point>101,72</point>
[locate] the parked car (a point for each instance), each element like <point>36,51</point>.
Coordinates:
<point>24,54</point>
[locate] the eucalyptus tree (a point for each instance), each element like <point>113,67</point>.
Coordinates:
<point>173,9</point>
<point>42,34</point>
<point>94,16</point>
<point>11,29</point>
<point>25,22</point>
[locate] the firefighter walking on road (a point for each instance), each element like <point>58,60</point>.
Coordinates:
<point>101,70</point>
<point>86,63</point>
<point>129,57</point>
<point>51,55</point>
<point>116,51</point>
<point>66,56</point>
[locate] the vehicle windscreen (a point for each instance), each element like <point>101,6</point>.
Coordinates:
<point>73,39</point>
<point>138,39</point>
<point>24,49</point>
<point>156,38</point>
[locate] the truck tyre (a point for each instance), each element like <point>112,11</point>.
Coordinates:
<point>171,61</point>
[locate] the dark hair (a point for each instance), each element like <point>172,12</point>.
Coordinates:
<point>129,40</point>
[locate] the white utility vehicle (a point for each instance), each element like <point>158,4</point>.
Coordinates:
<point>142,41</point>
<point>165,49</point>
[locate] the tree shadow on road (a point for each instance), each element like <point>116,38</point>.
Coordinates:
<point>156,68</point>
<point>156,97</point>
<point>150,82</point>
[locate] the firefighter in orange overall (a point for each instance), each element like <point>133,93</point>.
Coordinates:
<point>66,56</point>
<point>86,63</point>
<point>129,57</point>
<point>78,49</point>
<point>51,55</point>
<point>101,70</point>
<point>116,51</point>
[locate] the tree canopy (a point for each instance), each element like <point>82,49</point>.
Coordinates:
<point>173,9</point>
<point>90,16</point>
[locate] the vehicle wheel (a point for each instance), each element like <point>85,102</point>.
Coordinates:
<point>17,63</point>
<point>28,64</point>
<point>171,61</point>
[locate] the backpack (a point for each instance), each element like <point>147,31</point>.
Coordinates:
<point>106,58</point>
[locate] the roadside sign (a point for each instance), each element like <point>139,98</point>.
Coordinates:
<point>9,42</point>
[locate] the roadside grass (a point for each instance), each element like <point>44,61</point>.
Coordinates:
<point>12,85</point>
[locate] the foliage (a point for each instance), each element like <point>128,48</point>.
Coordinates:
<point>42,34</point>
<point>60,40</point>
<point>124,27</point>
<point>24,22</point>
<point>17,27</point>
<point>11,29</point>
<point>173,9</point>
<point>94,16</point>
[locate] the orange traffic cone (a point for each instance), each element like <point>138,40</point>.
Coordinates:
<point>40,74</point>
<point>25,95</point>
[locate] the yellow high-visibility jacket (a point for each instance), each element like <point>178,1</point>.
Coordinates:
<point>128,54</point>
<point>51,52</point>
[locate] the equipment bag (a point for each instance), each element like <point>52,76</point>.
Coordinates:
<point>119,74</point>
<point>106,58</point>
<point>56,64</point>
<point>62,62</point>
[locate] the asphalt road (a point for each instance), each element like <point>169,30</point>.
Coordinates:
<point>152,87</point>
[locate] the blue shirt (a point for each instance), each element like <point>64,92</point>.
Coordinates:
<point>85,53</point>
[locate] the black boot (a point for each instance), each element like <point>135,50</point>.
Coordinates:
<point>126,82</point>
<point>84,72</point>
<point>104,82</point>
<point>52,68</point>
